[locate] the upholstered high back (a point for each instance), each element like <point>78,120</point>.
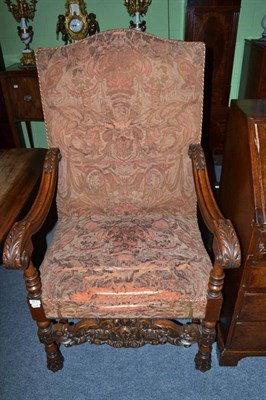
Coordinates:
<point>123,107</point>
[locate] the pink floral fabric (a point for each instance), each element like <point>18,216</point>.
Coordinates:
<point>108,267</point>
<point>123,108</point>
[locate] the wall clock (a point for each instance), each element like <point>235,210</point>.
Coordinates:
<point>76,19</point>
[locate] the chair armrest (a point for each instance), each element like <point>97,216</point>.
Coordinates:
<point>225,242</point>
<point>18,245</point>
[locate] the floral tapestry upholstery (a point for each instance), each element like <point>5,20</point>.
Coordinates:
<point>123,107</point>
<point>148,266</point>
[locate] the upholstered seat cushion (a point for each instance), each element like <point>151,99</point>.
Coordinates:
<point>149,266</point>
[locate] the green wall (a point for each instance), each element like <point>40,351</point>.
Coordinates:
<point>164,18</point>
<point>249,27</point>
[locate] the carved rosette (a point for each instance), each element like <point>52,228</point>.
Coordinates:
<point>196,153</point>
<point>14,255</point>
<point>125,332</point>
<point>229,254</point>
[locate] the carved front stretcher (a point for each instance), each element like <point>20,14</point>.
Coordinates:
<point>126,258</point>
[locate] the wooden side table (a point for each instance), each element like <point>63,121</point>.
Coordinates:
<point>242,328</point>
<point>22,99</point>
<point>20,172</point>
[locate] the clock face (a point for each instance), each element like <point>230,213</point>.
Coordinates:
<point>76,19</point>
<point>76,25</point>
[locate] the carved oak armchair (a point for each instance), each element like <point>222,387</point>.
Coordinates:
<point>123,112</point>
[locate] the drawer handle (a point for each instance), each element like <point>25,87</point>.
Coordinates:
<point>27,97</point>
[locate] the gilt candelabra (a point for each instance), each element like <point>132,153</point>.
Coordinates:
<point>23,12</point>
<point>137,8</point>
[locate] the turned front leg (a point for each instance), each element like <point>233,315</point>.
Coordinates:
<point>213,310</point>
<point>55,359</point>
<point>45,332</point>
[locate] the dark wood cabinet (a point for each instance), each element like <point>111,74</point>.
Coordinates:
<point>253,75</point>
<point>242,329</point>
<point>6,138</point>
<point>22,98</point>
<point>215,23</point>
<point>25,97</point>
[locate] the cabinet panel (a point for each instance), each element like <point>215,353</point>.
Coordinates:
<point>253,307</point>
<point>255,340</point>
<point>257,276</point>
<point>25,97</point>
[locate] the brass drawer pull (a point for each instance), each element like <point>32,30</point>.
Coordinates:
<point>27,97</point>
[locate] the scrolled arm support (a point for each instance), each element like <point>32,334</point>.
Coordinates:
<point>18,249</point>
<point>18,245</point>
<point>225,243</point>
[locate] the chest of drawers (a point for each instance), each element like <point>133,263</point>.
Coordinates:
<point>242,329</point>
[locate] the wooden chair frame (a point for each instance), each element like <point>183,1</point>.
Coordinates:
<point>124,332</point>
